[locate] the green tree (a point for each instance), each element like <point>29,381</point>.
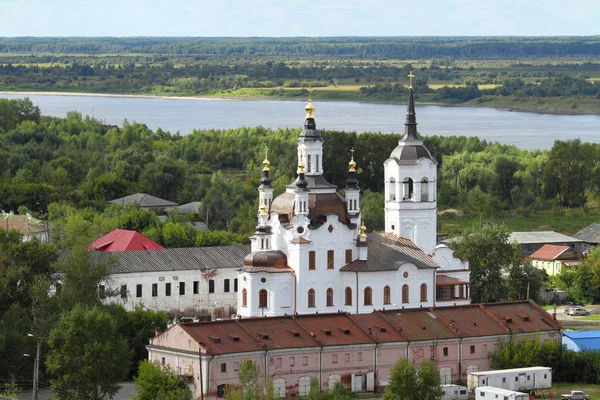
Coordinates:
<point>490,255</point>
<point>88,357</point>
<point>523,280</point>
<point>156,382</point>
<point>250,387</point>
<point>406,384</point>
<point>339,392</point>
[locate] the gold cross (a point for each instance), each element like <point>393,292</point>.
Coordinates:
<point>410,76</point>
<point>352,150</point>
<point>310,90</point>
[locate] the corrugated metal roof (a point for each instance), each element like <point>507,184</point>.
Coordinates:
<point>591,234</point>
<point>144,200</point>
<point>387,252</point>
<point>179,259</point>
<point>551,252</point>
<point>251,334</point>
<point>541,237</point>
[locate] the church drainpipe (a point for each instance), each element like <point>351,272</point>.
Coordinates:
<point>201,384</point>
<point>434,287</point>
<point>460,349</point>
<point>320,368</point>
<point>375,369</point>
<point>266,374</point>
<point>357,292</point>
<point>295,291</point>
<point>208,374</point>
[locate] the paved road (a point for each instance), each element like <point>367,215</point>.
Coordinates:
<point>125,393</point>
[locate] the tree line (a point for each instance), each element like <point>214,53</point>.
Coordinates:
<point>397,47</point>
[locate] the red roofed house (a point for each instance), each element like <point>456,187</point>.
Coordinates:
<point>124,240</point>
<point>555,259</point>
<point>357,349</point>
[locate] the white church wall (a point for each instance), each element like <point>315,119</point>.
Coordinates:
<point>195,286</point>
<point>280,294</point>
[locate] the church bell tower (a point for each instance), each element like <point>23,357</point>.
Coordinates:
<point>410,186</point>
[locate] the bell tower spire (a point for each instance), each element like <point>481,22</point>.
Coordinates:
<point>265,189</point>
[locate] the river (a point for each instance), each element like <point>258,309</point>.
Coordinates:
<point>525,130</point>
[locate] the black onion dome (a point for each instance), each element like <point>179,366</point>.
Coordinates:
<point>269,259</point>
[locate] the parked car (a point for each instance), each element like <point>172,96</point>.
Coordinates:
<point>575,395</point>
<point>578,311</point>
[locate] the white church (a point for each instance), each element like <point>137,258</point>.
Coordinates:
<point>311,253</point>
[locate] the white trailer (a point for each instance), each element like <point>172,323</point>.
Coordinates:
<point>454,392</point>
<point>516,379</point>
<point>494,393</point>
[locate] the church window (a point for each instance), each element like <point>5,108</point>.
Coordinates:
<point>368,296</point>
<point>311,260</point>
<point>181,288</point>
<point>308,165</point>
<point>423,292</point>
<point>348,256</point>
<point>263,280</point>
<point>330,297</point>
<point>405,294</point>
<point>226,286</point>
<point>211,286</point>
<point>196,287</point>
<point>408,189</point>
<point>330,228</point>
<point>262,298</point>
<point>424,189</point>
<point>244,298</point>
<point>348,299</point>
<point>168,289</point>
<point>317,162</point>
<point>123,291</point>
<point>311,297</point>
<point>392,189</point>
<point>329,259</point>
<point>387,295</point>
<point>235,285</point>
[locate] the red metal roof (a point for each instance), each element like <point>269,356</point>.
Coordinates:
<point>549,252</point>
<point>445,280</point>
<point>124,240</point>
<point>399,325</point>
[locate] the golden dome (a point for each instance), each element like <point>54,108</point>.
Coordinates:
<point>352,163</point>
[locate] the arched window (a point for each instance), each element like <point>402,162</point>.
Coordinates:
<point>311,297</point>
<point>392,189</point>
<point>330,297</point>
<point>408,189</point>
<point>423,292</point>
<point>348,297</point>
<point>368,296</point>
<point>424,189</point>
<point>387,295</point>
<point>262,298</point>
<point>244,298</point>
<point>404,294</point>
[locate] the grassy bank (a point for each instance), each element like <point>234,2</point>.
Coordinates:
<point>567,221</point>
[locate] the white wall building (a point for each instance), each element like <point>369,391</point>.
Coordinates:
<point>310,253</point>
<point>181,280</point>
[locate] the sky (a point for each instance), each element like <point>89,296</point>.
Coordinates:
<point>299,18</point>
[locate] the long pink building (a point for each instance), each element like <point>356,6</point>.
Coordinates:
<point>357,349</point>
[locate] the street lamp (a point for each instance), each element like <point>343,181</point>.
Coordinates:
<point>36,367</point>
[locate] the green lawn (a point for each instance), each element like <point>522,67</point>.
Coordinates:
<point>595,317</point>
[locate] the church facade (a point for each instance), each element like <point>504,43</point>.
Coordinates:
<point>311,253</point>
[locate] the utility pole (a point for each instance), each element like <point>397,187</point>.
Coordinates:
<point>36,366</point>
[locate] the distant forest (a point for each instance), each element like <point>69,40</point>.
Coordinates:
<point>372,47</point>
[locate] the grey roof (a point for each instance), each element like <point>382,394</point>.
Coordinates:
<point>591,234</point>
<point>189,208</point>
<point>2,397</point>
<point>179,259</point>
<point>197,225</point>
<point>541,237</point>
<point>144,200</point>
<point>387,252</point>
<point>411,154</point>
